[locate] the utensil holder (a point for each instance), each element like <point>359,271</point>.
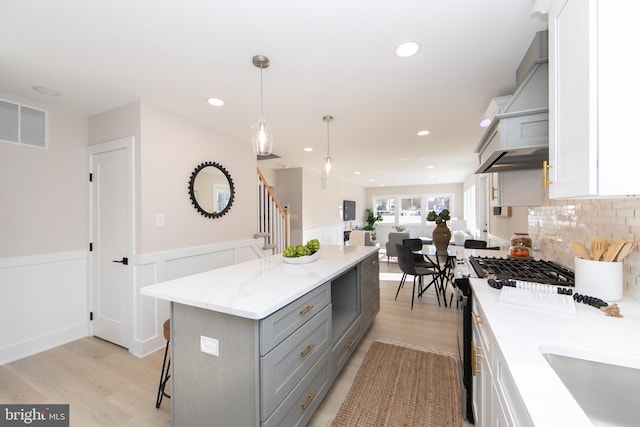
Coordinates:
<point>599,279</point>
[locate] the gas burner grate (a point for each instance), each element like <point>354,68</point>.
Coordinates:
<point>539,271</point>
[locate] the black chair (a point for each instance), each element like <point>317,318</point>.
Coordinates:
<point>475,244</point>
<point>418,259</point>
<point>408,267</point>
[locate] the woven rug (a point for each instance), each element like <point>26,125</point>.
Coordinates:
<point>400,385</point>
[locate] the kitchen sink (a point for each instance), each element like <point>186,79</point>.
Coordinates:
<point>607,393</point>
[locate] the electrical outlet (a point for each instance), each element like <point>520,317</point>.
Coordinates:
<point>209,346</point>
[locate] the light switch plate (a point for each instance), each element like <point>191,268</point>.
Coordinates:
<point>209,346</point>
<point>159,220</point>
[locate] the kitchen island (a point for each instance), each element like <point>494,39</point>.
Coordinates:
<point>516,385</point>
<point>260,342</point>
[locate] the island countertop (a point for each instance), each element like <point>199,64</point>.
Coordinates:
<point>255,289</point>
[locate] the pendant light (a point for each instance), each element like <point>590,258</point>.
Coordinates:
<point>328,164</point>
<point>261,135</point>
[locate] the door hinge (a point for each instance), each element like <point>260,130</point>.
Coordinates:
<point>90,247</point>
<point>90,315</point>
<point>90,177</point>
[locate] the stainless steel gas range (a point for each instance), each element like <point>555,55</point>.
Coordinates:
<point>538,271</point>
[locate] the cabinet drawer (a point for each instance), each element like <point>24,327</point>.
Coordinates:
<point>370,309</point>
<point>285,321</point>
<point>370,283</point>
<point>287,363</point>
<point>298,407</point>
<point>346,346</point>
<point>369,263</point>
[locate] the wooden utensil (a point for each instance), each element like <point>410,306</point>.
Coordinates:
<point>580,250</point>
<point>613,250</point>
<point>626,250</point>
<point>598,248</point>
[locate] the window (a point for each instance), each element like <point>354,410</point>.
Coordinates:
<point>438,203</point>
<point>386,208</point>
<point>410,210</point>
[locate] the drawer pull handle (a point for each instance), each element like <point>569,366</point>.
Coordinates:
<point>307,350</point>
<point>477,319</point>
<point>310,398</point>
<point>306,309</point>
<point>351,343</point>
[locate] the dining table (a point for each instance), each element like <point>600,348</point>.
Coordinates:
<point>444,263</point>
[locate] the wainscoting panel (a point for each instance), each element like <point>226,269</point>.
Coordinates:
<point>43,303</point>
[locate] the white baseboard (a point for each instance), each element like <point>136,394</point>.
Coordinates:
<point>35,345</point>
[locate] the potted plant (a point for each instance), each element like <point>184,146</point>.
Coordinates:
<point>371,222</point>
<point>399,228</point>
<point>441,234</point>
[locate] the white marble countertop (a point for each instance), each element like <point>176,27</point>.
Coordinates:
<point>523,335</point>
<point>258,288</point>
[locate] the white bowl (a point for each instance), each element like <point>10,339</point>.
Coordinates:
<point>302,259</point>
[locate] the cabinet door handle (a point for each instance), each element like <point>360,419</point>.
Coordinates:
<point>493,192</point>
<point>306,309</point>
<point>307,350</point>
<point>351,343</point>
<point>310,398</point>
<point>545,174</point>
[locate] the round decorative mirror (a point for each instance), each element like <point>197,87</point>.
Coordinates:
<point>211,189</point>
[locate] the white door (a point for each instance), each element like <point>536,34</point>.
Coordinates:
<point>111,169</point>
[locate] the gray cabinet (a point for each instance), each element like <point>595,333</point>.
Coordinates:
<point>274,371</point>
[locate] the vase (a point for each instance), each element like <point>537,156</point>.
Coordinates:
<point>441,237</point>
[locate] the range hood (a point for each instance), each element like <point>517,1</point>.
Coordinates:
<point>518,136</point>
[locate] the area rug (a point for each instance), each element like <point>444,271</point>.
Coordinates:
<point>401,385</point>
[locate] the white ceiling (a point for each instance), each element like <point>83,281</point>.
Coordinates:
<point>327,58</point>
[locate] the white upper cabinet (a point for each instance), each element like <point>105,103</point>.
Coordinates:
<point>594,99</point>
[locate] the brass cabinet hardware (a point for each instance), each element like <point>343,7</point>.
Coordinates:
<point>477,319</point>
<point>307,350</point>
<point>306,309</point>
<point>351,343</point>
<point>474,361</point>
<point>545,174</point>
<point>493,192</point>
<point>310,398</point>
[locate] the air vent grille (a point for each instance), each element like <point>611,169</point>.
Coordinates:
<point>21,124</point>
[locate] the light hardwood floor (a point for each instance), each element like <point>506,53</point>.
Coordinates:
<point>106,386</point>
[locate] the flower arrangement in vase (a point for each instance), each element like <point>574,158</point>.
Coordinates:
<point>441,234</point>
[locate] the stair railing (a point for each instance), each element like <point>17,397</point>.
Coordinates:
<point>273,219</point>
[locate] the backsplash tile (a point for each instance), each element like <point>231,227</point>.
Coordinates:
<point>558,223</point>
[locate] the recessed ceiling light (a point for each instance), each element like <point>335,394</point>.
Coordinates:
<point>407,49</point>
<point>429,166</point>
<point>485,123</point>
<point>46,91</point>
<point>423,132</point>
<point>308,149</point>
<point>357,173</point>
<point>216,102</point>
<point>372,180</point>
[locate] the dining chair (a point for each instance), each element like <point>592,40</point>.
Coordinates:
<point>419,259</point>
<point>408,268</point>
<point>475,244</point>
